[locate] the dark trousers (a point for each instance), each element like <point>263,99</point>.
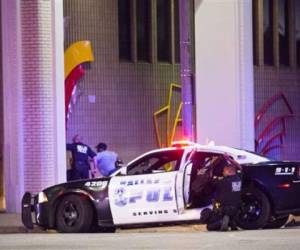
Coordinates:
<point>213,218</point>
<point>69,174</point>
<point>80,171</point>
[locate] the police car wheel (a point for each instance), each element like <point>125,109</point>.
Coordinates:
<point>255,209</point>
<point>277,222</point>
<point>74,214</point>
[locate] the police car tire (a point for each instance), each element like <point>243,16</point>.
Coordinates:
<point>84,213</point>
<point>265,212</point>
<point>277,222</point>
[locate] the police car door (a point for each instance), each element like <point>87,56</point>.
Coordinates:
<point>147,193</point>
<point>183,181</point>
<point>195,174</point>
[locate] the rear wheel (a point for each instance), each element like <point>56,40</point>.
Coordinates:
<point>255,209</point>
<point>74,214</point>
<point>277,222</point>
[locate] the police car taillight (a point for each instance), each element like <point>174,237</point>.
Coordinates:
<point>284,185</point>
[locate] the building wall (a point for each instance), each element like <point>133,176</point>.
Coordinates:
<point>38,93</point>
<point>224,73</point>
<point>126,93</point>
<point>275,76</point>
<point>270,81</point>
<point>2,200</point>
<point>34,143</point>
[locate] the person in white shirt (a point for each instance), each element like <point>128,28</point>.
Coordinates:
<point>106,160</point>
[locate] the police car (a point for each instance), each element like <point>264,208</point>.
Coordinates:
<point>155,189</point>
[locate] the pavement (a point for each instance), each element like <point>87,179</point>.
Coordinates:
<point>278,239</point>
<point>14,236</point>
<point>12,223</point>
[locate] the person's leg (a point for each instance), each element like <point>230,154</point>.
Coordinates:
<point>205,215</point>
<point>69,175</point>
<point>224,223</point>
<point>75,174</point>
<point>214,221</point>
<point>82,170</point>
<point>229,213</point>
<point>214,226</point>
<point>85,173</point>
<point>233,217</point>
<point>233,225</point>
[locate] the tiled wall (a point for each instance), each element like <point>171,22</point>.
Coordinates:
<point>38,94</point>
<point>268,82</point>
<point>126,94</point>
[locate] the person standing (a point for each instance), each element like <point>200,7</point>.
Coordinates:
<point>81,153</point>
<point>106,160</point>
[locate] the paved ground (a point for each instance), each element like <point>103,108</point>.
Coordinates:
<point>15,236</point>
<point>282,239</point>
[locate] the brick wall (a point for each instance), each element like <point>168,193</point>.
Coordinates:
<point>127,94</point>
<point>38,94</point>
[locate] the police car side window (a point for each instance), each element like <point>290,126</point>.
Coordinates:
<point>203,162</point>
<point>143,166</point>
<point>157,162</point>
<point>169,161</point>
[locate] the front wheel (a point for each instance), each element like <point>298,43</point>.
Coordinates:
<point>74,215</point>
<point>255,209</point>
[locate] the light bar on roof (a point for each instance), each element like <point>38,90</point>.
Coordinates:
<point>182,143</point>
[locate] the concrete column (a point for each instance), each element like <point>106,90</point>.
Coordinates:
<point>12,107</point>
<point>59,89</point>
<point>224,72</point>
<point>34,122</point>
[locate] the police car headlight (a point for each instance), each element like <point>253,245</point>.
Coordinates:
<point>42,198</point>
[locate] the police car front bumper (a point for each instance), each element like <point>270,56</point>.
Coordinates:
<point>33,211</point>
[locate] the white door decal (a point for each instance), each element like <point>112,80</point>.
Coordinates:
<point>143,198</point>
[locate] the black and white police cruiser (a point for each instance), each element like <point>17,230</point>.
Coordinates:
<point>155,189</point>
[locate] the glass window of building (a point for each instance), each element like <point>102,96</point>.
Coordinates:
<point>143,8</point>
<point>283,32</point>
<point>268,32</point>
<point>163,31</point>
<point>176,31</point>
<point>124,30</point>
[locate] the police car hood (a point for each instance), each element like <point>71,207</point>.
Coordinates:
<point>274,163</point>
<point>78,185</point>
